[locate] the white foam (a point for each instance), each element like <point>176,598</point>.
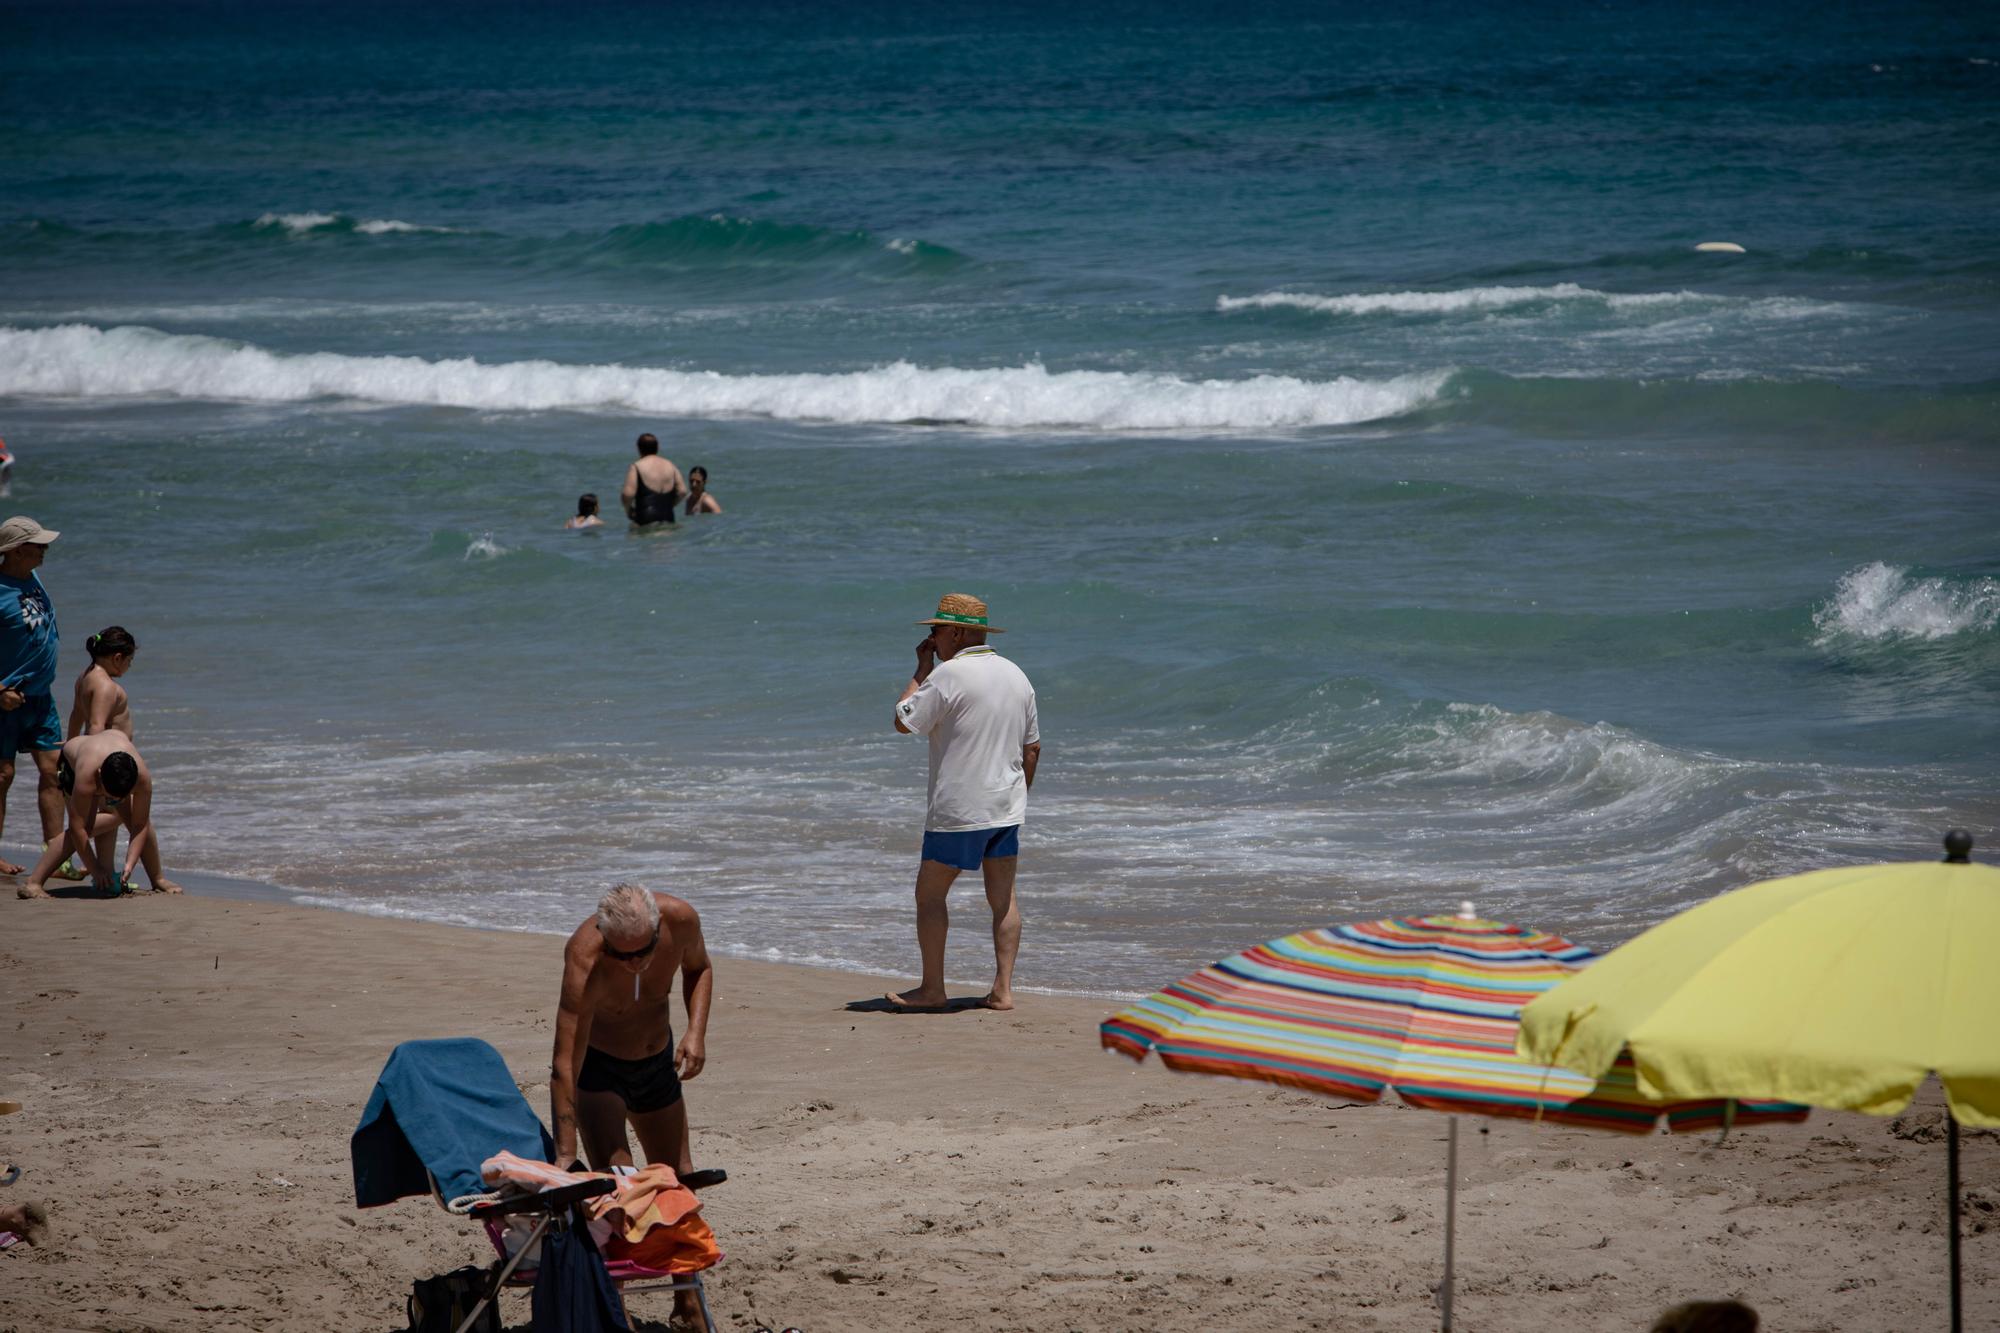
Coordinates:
<point>387,226</point>
<point>1462,299</point>
<point>299,224</point>
<point>483,547</point>
<point>901,246</point>
<point>1597,762</point>
<point>82,361</point>
<point>1880,601</point>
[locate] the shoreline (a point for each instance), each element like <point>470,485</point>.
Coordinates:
<point>192,1067</point>
<point>236,888</point>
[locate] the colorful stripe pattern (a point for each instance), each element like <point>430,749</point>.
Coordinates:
<point>1427,1006</point>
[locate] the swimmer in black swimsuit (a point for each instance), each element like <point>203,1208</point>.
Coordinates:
<point>652,502</point>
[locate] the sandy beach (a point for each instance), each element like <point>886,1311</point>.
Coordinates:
<point>191,1070</point>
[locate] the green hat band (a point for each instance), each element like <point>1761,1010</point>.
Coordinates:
<point>960,620</point>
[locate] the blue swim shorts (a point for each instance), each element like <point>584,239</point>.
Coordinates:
<point>35,725</point>
<point>966,850</point>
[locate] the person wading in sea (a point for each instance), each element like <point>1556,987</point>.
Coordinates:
<point>653,485</point>
<point>699,501</point>
<point>978,710</point>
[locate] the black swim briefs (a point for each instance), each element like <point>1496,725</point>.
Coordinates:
<point>651,1084</point>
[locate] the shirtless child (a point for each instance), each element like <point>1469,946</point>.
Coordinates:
<point>104,783</point>
<point>102,705</point>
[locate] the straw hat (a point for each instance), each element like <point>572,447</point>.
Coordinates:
<point>962,608</point>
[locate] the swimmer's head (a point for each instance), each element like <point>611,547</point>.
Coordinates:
<point>698,477</point>
<point>586,505</point>
<point>649,444</point>
<point>119,775</point>
<point>116,641</point>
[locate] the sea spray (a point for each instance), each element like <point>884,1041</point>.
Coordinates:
<point>1879,601</point>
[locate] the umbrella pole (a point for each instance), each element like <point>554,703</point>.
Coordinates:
<point>1951,1185</point>
<point>1451,1217</point>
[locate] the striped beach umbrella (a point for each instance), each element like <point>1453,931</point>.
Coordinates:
<point>1428,1007</point>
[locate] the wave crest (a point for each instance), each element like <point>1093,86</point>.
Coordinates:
<point>82,361</point>
<point>1473,299</point>
<point>304,224</point>
<point>1544,752</point>
<point>1878,602</point>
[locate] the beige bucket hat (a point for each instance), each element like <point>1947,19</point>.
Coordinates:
<point>962,608</point>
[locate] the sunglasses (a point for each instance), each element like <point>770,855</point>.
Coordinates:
<point>634,955</point>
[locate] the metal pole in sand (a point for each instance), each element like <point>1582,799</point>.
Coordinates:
<point>1951,1185</point>
<point>1451,1216</point>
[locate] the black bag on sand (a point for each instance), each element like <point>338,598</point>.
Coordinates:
<point>440,1304</point>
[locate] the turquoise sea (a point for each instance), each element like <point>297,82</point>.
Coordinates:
<point>1390,503</point>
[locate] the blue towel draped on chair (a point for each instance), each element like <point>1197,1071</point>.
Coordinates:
<point>445,1106</point>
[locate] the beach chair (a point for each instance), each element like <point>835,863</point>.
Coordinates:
<point>439,1110</point>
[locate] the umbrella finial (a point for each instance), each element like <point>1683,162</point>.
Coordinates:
<point>1957,847</point>
<point>1465,912</point>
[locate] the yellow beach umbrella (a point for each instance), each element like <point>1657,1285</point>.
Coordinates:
<point>1841,988</point>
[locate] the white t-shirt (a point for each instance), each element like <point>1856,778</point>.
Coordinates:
<point>979,711</point>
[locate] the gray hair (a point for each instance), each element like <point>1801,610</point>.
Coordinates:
<point>628,910</point>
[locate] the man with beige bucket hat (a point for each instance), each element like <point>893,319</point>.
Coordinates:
<point>28,717</point>
<point>978,710</point>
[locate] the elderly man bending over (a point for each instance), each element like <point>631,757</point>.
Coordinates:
<point>614,1057</point>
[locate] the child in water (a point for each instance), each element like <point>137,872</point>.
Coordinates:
<point>699,501</point>
<point>586,514</point>
<point>101,705</point>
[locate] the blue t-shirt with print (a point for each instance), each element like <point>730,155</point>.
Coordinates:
<point>27,636</point>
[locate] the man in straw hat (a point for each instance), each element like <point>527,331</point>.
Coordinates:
<point>28,717</point>
<point>978,710</point>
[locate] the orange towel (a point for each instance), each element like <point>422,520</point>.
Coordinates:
<point>653,1219</point>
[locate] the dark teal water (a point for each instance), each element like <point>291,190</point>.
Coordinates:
<point>1389,501</point>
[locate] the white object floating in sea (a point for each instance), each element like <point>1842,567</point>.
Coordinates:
<point>1720,248</point>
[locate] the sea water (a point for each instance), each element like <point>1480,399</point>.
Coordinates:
<point>1389,503</point>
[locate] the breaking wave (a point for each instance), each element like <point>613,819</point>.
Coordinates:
<point>82,361</point>
<point>302,224</point>
<point>1467,299</point>
<point>1880,602</point>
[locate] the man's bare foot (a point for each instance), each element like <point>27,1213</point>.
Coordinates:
<point>31,890</point>
<point>996,1000</point>
<point>687,1314</point>
<point>918,1001</point>
<point>166,886</point>
<point>9,868</point>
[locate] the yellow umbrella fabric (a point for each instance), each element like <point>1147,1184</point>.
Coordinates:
<point>1840,988</point>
